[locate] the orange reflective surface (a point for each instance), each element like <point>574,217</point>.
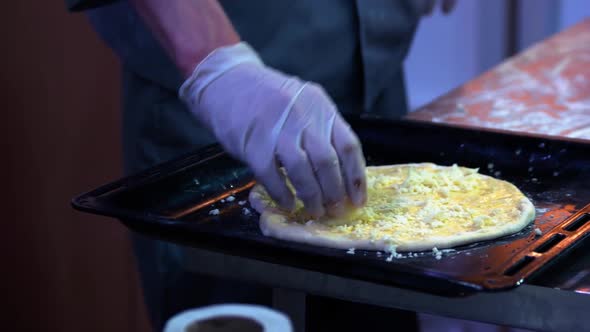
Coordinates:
<point>543,90</point>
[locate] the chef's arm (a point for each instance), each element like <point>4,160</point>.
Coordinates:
<point>187,30</point>
<point>277,124</point>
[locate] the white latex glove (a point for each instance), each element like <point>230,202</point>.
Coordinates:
<point>268,119</point>
<point>428,5</point>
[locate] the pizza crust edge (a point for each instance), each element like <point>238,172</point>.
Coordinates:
<point>273,223</point>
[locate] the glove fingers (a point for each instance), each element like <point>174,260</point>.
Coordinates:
<point>326,168</point>
<point>349,150</point>
<point>448,5</point>
<point>274,181</point>
<point>427,6</point>
<point>300,173</point>
<point>312,117</point>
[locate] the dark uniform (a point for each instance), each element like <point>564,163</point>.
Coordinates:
<point>354,49</point>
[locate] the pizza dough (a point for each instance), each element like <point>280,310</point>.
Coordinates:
<point>410,207</point>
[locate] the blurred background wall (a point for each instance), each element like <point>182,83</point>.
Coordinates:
<point>450,50</point>
<point>61,270</point>
<point>66,271</point>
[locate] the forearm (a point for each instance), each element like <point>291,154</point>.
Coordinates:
<point>187,29</point>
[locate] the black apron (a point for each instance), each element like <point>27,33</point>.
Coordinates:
<point>354,49</point>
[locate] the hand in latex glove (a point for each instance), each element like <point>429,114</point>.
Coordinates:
<point>428,5</point>
<point>269,120</point>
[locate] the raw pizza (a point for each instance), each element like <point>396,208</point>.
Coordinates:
<point>410,207</point>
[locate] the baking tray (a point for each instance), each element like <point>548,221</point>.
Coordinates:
<point>173,201</point>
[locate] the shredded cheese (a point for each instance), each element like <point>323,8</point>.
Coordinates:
<point>412,203</point>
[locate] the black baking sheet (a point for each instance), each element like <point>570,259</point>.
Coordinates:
<point>173,201</point>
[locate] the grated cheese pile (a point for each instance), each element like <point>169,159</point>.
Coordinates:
<point>412,203</point>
